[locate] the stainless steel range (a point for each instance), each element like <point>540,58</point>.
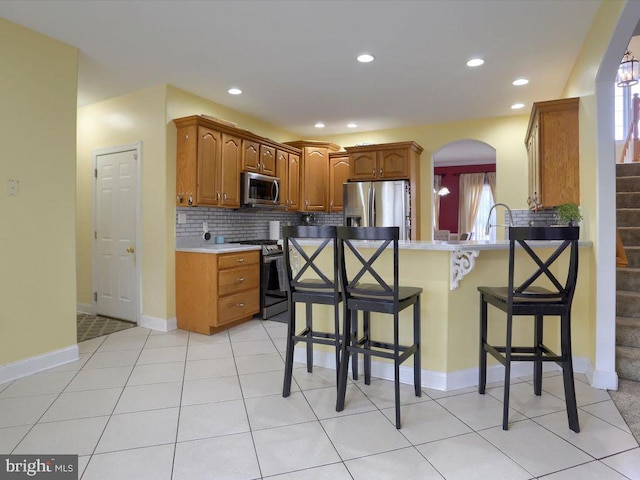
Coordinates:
<point>273,299</point>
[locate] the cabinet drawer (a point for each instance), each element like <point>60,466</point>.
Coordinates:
<point>235,279</point>
<point>232,260</point>
<point>239,305</point>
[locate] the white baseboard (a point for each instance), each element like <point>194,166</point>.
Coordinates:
<point>85,308</point>
<point>442,380</point>
<point>604,380</point>
<point>39,363</point>
<point>160,324</point>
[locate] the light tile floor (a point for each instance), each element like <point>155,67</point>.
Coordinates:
<point>143,405</point>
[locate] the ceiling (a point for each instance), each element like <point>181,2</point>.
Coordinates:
<point>295,60</point>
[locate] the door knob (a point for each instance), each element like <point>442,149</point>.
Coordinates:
<point>130,250</point>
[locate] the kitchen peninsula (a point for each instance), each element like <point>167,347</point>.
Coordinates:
<point>449,273</point>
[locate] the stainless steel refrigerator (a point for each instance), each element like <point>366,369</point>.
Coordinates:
<point>378,204</point>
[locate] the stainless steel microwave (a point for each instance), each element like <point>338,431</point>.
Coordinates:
<point>260,190</point>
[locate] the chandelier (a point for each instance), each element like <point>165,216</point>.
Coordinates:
<point>628,70</point>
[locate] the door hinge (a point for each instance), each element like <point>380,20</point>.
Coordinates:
<point>95,296</point>
<point>95,172</point>
<point>95,234</point>
<point>135,156</point>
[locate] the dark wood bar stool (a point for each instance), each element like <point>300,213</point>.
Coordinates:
<point>308,284</point>
<point>528,298</point>
<point>377,296</point>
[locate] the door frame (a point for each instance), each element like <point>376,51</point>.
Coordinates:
<point>137,147</point>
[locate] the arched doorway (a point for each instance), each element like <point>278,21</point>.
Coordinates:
<point>460,157</point>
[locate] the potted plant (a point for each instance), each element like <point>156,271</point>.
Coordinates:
<point>569,213</point>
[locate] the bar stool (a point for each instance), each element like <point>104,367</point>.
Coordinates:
<point>310,285</point>
<point>378,296</point>
<point>530,299</point>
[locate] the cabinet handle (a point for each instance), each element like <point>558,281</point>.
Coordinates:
<point>240,260</point>
<point>380,171</point>
<point>331,203</point>
<point>374,171</point>
<point>224,196</point>
<point>190,202</point>
<point>180,199</point>
<point>306,203</point>
<point>218,195</point>
<point>241,279</point>
<point>240,305</point>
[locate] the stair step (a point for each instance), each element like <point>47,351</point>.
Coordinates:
<point>630,236</point>
<point>628,217</point>
<point>628,363</point>
<point>628,184</point>
<point>628,279</point>
<point>627,304</point>
<point>628,332</point>
<point>627,199</point>
<point>633,255</point>
<point>627,169</point>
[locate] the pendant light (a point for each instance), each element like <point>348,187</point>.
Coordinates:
<point>628,70</point>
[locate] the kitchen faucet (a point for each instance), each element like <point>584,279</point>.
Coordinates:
<point>486,229</point>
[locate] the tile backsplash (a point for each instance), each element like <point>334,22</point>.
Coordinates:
<point>526,218</point>
<point>241,224</point>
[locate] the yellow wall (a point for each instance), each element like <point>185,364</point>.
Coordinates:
<point>37,147</point>
<point>505,134</point>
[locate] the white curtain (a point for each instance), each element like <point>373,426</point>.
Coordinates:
<point>437,183</point>
<point>491,180</point>
<point>470,193</point>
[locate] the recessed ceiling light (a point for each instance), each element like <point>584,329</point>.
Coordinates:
<point>234,91</point>
<point>475,62</point>
<point>319,125</point>
<point>516,106</point>
<point>352,125</point>
<point>520,81</point>
<point>365,58</point>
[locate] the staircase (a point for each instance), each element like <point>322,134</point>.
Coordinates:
<point>628,278</point>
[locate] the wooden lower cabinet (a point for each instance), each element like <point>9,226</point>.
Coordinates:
<point>216,291</point>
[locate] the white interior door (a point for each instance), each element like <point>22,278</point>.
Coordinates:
<point>115,259</point>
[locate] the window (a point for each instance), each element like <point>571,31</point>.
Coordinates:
<point>623,110</point>
<point>486,202</point>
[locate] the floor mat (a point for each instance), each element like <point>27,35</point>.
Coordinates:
<point>92,326</point>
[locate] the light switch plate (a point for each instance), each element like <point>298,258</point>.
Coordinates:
<point>182,218</point>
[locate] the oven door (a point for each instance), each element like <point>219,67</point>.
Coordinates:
<point>260,190</point>
<point>273,294</point>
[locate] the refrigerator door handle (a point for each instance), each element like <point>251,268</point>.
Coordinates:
<point>372,206</point>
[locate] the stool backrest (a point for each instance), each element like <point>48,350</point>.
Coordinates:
<point>307,272</point>
<point>562,238</point>
<point>363,268</point>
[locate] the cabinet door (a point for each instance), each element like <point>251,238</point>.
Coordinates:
<point>208,157</point>
<point>535,193</point>
<point>267,160</point>
<point>393,164</point>
<point>282,172</point>
<point>186,165</point>
<point>362,166</point>
<point>315,185</point>
<point>250,156</point>
<point>230,171</point>
<point>559,157</point>
<point>293,182</point>
<point>338,174</point>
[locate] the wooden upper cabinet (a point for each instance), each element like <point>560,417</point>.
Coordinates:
<point>267,160</point>
<point>380,162</point>
<point>393,163</point>
<point>230,171</point>
<point>209,149</point>
<point>314,174</point>
<point>363,165</point>
<point>552,142</point>
<point>338,175</point>
<point>293,183</point>
<point>250,156</point>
